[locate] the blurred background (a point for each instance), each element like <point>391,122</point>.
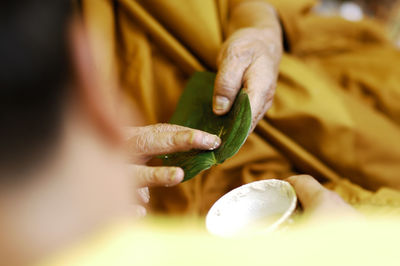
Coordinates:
<point>386,12</point>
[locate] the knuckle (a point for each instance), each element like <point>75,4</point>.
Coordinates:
<point>226,89</point>
<point>238,50</point>
<point>177,139</point>
<point>170,141</point>
<point>142,143</point>
<point>226,86</point>
<point>155,175</point>
<point>195,139</point>
<point>157,172</point>
<point>184,138</point>
<point>234,51</point>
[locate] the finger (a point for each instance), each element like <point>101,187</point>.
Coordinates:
<point>308,190</point>
<point>163,139</point>
<point>144,194</point>
<point>320,202</point>
<point>229,79</point>
<point>146,176</point>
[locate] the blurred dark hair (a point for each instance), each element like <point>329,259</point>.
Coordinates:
<point>34,76</point>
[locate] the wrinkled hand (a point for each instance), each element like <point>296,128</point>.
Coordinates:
<point>250,59</point>
<point>145,142</point>
<point>319,202</point>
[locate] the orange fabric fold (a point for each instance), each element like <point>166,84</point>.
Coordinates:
<point>335,114</point>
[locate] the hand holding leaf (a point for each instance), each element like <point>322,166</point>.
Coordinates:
<point>194,110</point>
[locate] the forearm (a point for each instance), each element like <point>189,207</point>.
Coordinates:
<point>253,14</point>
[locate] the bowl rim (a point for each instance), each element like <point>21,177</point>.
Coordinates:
<point>284,217</point>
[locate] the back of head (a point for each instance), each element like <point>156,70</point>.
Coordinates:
<point>34,75</point>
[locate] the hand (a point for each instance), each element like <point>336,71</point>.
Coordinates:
<point>145,142</point>
<point>319,202</point>
<point>250,59</point>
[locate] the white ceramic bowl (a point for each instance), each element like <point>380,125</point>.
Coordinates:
<point>254,208</point>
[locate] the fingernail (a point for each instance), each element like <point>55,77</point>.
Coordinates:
<point>211,141</point>
<point>216,143</point>
<point>221,103</point>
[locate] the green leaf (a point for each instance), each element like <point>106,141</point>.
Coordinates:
<point>194,110</point>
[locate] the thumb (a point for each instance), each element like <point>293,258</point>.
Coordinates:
<point>319,201</point>
<point>228,83</point>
